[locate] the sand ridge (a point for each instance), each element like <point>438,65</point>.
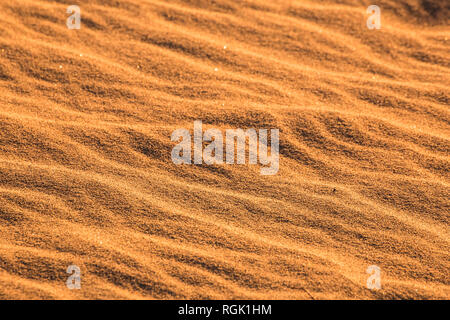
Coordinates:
<point>86,176</point>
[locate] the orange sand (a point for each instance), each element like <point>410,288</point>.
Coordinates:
<point>86,176</point>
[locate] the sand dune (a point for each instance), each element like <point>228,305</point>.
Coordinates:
<point>86,176</point>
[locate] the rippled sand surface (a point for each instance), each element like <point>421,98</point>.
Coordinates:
<point>86,176</point>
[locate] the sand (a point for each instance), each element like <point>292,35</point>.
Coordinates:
<point>86,176</point>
